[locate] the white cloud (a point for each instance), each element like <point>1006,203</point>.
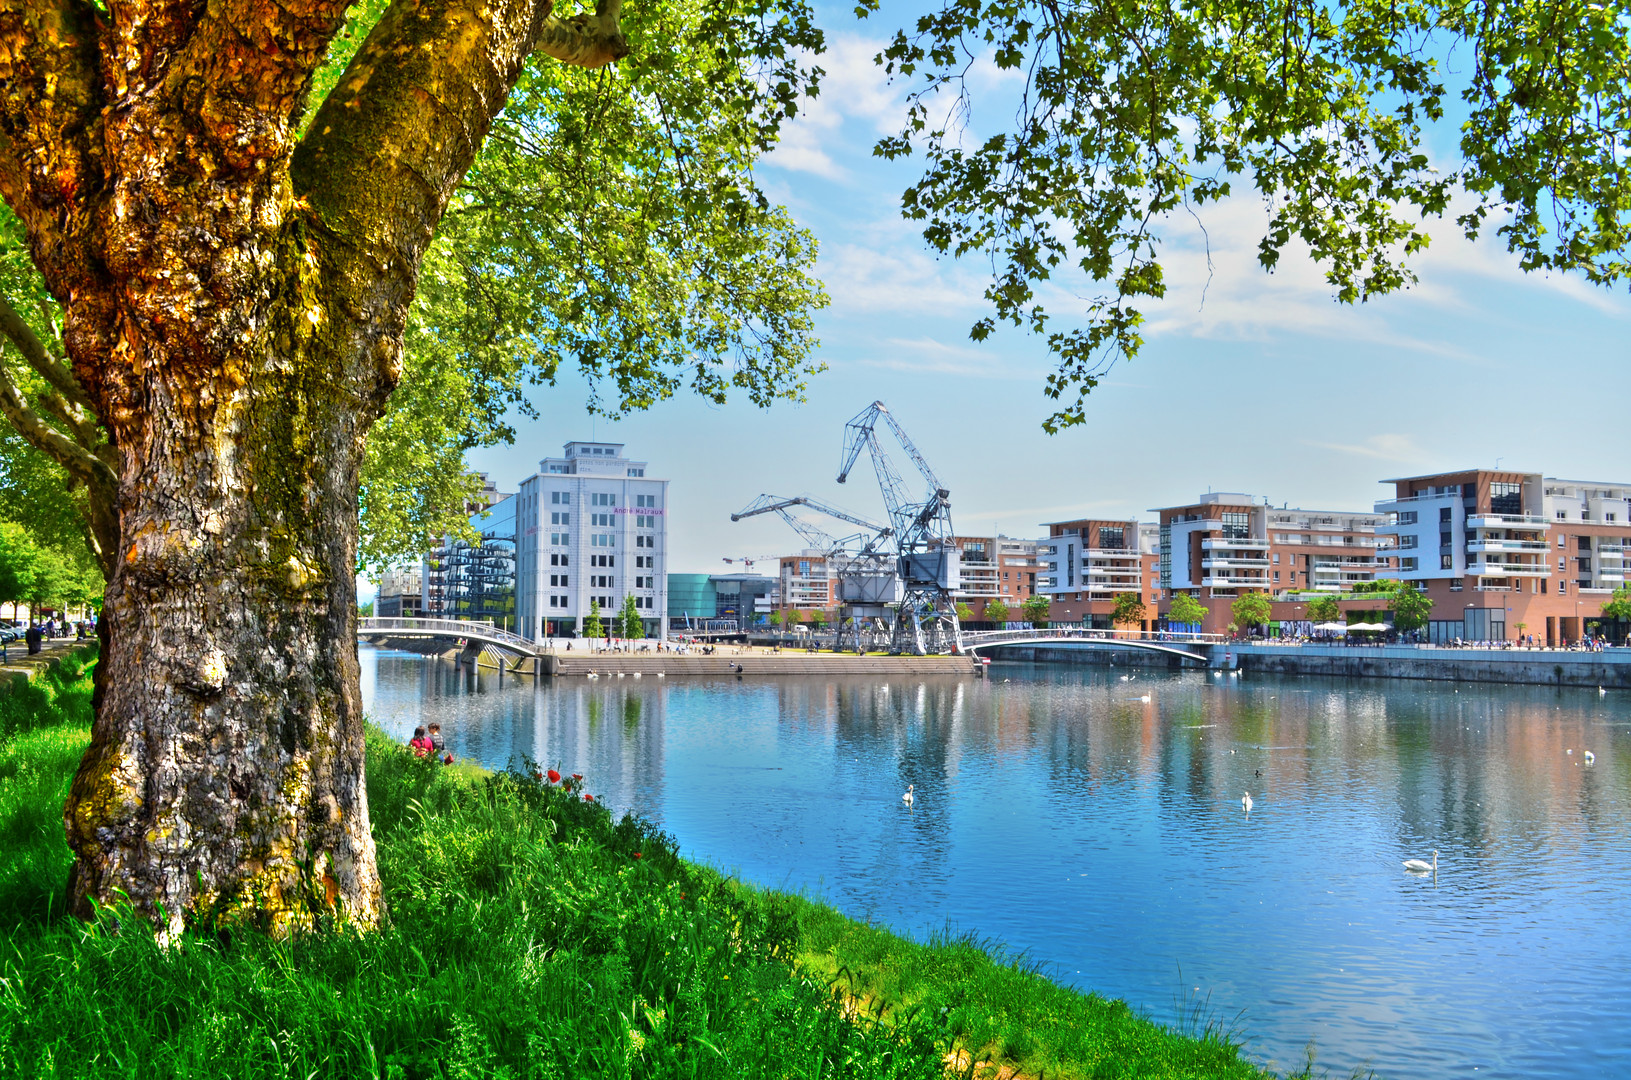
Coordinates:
<point>1383,447</point>
<point>855,106</point>
<point>930,356</point>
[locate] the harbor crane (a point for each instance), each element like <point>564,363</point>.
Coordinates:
<point>867,582</point>
<point>926,558</point>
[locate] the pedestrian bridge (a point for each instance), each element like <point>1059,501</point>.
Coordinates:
<point>484,632</point>
<point>1190,646</point>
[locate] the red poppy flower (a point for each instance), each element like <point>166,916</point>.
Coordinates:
<point>636,854</point>
<point>554,777</point>
<point>588,797</point>
<point>577,776</point>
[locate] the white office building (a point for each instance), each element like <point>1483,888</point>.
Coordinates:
<point>590,526</point>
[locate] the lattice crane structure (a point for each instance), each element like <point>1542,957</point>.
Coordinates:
<point>862,562</point>
<point>926,559</point>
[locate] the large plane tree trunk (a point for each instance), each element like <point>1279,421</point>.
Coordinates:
<point>234,302</point>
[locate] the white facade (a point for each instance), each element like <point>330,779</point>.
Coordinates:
<point>590,525</point>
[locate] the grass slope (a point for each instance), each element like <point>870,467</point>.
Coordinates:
<point>530,936</point>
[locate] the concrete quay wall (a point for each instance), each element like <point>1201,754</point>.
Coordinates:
<point>1610,669</point>
<point>1091,655</point>
<point>611,664</point>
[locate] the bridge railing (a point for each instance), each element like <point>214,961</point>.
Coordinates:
<point>457,628</point>
<point>979,638</point>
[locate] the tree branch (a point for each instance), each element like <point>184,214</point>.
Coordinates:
<point>101,484</point>
<point>33,350</point>
<point>78,460</point>
<point>387,148</point>
<point>589,41</point>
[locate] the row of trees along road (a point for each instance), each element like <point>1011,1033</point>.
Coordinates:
<point>269,268</point>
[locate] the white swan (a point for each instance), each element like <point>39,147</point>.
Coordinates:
<point>1600,690</point>
<point>1145,699</point>
<point>1246,802</point>
<point>1590,757</point>
<point>907,798</point>
<point>1421,866</point>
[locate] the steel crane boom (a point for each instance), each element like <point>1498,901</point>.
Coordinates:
<point>926,554</point>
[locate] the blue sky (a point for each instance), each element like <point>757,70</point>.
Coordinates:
<point>1249,382</point>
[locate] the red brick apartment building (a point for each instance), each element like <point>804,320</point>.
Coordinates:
<point>1494,549</point>
<point>996,568</point>
<point>1227,544</point>
<point>1085,564</point>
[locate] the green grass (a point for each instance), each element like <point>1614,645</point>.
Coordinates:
<point>529,935</point>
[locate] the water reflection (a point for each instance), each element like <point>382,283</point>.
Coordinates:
<point>1104,834</point>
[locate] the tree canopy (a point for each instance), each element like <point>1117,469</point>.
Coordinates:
<point>1410,607</point>
<point>1129,116</point>
<point>1186,610</point>
<point>1251,609</point>
<point>1129,609</point>
<point>1324,609</point>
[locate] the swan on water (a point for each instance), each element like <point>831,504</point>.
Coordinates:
<point>907,798</point>
<point>1600,690</point>
<point>1421,866</point>
<point>1145,699</point>
<point>1590,757</point>
<point>1246,802</point>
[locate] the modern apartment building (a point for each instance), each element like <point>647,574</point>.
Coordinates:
<point>808,581</point>
<point>1497,548</point>
<point>1086,563</point>
<point>1228,544</point>
<point>591,526</point>
<point>996,568</point>
<point>399,593</point>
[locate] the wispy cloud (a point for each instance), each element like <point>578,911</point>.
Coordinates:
<point>1382,447</point>
<point>929,356</point>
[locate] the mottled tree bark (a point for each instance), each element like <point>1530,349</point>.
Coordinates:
<point>234,306</point>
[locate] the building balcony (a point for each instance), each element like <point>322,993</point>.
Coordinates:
<point>1487,544</point>
<point>1506,521</point>
<point>1218,543</point>
<point>1526,570</point>
<point>1234,562</point>
<point>1232,581</point>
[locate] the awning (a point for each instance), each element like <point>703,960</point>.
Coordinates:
<point>1333,627</point>
<point>1371,627</point>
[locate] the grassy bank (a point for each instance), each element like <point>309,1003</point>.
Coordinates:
<point>530,936</point>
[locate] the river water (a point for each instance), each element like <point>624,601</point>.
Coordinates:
<point>1092,818</point>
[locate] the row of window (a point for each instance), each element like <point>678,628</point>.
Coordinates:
<point>606,603</point>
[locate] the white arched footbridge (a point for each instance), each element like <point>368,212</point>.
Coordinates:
<point>1190,646</point>
<point>484,632</point>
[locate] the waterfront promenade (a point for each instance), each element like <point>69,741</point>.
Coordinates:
<point>1610,668</point>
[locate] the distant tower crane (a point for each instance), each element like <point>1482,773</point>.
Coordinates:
<point>865,574</point>
<point>926,558</point>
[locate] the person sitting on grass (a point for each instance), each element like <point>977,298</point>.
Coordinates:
<point>438,745</point>
<point>420,744</point>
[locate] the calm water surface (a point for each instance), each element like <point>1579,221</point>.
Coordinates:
<point>1103,834</point>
